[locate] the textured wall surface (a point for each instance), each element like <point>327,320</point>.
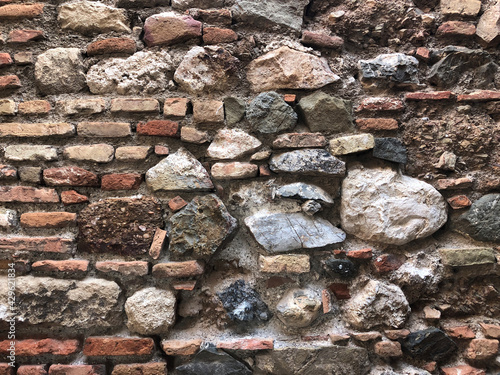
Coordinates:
<point>241,186</point>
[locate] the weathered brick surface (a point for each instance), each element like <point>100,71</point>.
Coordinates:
<point>32,370</point>
<point>14,11</point>
<point>377,124</point>
<point>74,267</point>
<point>121,181</point>
<point>36,244</point>
<point>70,197</point>
<point>77,370</point>
<point>136,268</point>
<point>135,105</point>
<point>33,348</point>
<point>28,194</point>
<point>34,107</point>
<point>112,45</point>
<point>164,128</point>
<point>103,129</point>
<point>117,346</point>
<point>48,219</point>
<point>24,36</point>
<point>69,176</point>
<point>179,269</point>
<point>181,347</point>
<point>247,344</point>
<point>36,130</point>
<point>153,368</point>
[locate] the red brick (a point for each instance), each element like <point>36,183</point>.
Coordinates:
<point>423,54</point>
<point>290,98</point>
<point>161,150</point>
<point>461,332</point>
<point>388,349</point>
<point>135,105</point>
<point>27,194</point>
<point>479,96</point>
<point>70,176</point>
<point>33,348</point>
<point>456,29</point>
<point>34,107</point>
<point>462,370</point>
<point>121,181</point>
<point>366,336</point>
<point>181,347</point>
<point>152,368</point>
<point>233,171</point>
<point>433,95</point>
<point>374,104</point>
<point>395,334</point>
<point>69,197</point>
<point>212,16</point>
<point>321,40</point>
<point>459,201</point>
<point>5,60</point>
<point>9,82</point>
<point>341,291</point>
<point>48,219</point>
<point>339,339</point>
<point>175,107</point>
<point>70,266</point>
<point>176,203</point>
<point>387,263</point>
<point>458,183</point>
<point>135,268</point>
<point>117,346</point>
<point>7,369</point>
<point>157,244</point>
<point>247,344</point>
<point>163,128</point>
<point>42,244</point>
<point>216,35</point>
<point>360,254</point>
<point>184,285</point>
<point>491,330</point>
<point>481,349</point>
<point>277,281</point>
<point>77,370</point>
<point>14,11</point>
<point>377,124</point>
<point>188,268</point>
<point>24,36</point>
<point>299,140</point>
<point>112,45</point>
<point>326,299</point>
<point>32,370</point>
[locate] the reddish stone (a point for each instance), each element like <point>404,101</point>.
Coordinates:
<point>212,16</point>
<point>360,254</point>
<point>13,11</point>
<point>395,334</point>
<point>233,171</point>
<point>366,336</point>
<point>117,346</point>
<point>461,332</point>
<point>491,330</point>
<point>161,150</point>
<point>321,40</point>
<point>47,219</point>
<point>387,263</point>
<point>459,201</point>
<point>380,104</point>
<point>27,194</point>
<point>176,203</point>
<point>42,244</point>
<point>72,197</point>
<point>431,366</point>
<point>184,285</point>
<point>388,349</point>
<point>339,339</point>
<point>121,181</point>
<point>423,54</point>
<point>70,176</point>
<point>112,45</point>
<point>299,140</point>
<point>181,347</point>
<point>24,36</point>
<point>456,29</point>
<point>326,299</point>
<point>481,349</point>
<point>162,128</point>
<point>276,281</point>
<point>458,183</point>
<point>8,173</point>
<point>9,82</point>
<point>70,266</point>
<point>377,124</point>
<point>434,95</point>
<point>175,107</point>
<point>462,370</point>
<point>188,268</point>
<point>33,348</point>
<point>34,107</point>
<point>77,370</point>
<point>479,96</point>
<point>5,60</point>
<point>157,244</point>
<point>168,29</point>
<point>135,268</point>
<point>247,344</point>
<point>215,35</point>
<point>290,98</point>
<point>264,170</point>
<point>7,369</point>
<point>32,370</point>
<point>341,291</point>
<point>152,368</point>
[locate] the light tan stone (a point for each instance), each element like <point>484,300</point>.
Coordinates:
<point>293,263</point>
<point>99,153</point>
<point>132,152</point>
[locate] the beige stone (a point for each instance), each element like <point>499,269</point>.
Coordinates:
<point>30,152</point>
<point>488,27</point>
<point>103,129</point>
<point>469,8</point>
<point>13,129</point>
<point>132,152</point>
<point>293,263</point>
<point>208,111</point>
<point>99,153</point>
<point>81,106</point>
<point>193,135</point>
<point>351,144</point>
<point>231,144</point>
<point>234,171</point>
<point>7,107</point>
<point>175,107</point>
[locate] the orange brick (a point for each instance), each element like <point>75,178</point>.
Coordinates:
<point>181,347</point>
<point>247,344</point>
<point>27,194</point>
<point>47,219</point>
<point>117,346</point>
<point>37,244</point>
<point>377,124</point>
<point>34,107</point>
<point>188,268</point>
<point>33,348</point>
<point>67,266</point>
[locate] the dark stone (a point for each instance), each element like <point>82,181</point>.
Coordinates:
<point>234,110</point>
<point>429,344</point>
<point>397,68</point>
<point>210,361</point>
<point>141,3</point>
<point>269,113</point>
<point>243,304</point>
<point>482,221</point>
<point>200,228</point>
<point>341,267</point>
<point>390,149</point>
<point>124,226</point>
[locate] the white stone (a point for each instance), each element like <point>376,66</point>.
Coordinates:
<point>7,218</point>
<point>299,307</point>
<point>231,144</point>
<point>30,152</point>
<point>351,144</point>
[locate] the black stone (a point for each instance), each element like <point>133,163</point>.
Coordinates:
<point>429,344</point>
<point>210,361</point>
<point>243,304</point>
<point>341,267</point>
<point>482,221</point>
<point>390,149</point>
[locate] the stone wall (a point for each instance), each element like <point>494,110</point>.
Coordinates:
<point>242,186</point>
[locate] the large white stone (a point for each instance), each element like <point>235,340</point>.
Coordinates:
<point>231,144</point>
<point>299,307</point>
<point>380,204</point>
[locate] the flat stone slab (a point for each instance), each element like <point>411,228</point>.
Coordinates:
<point>314,162</point>
<point>467,257</point>
<point>300,190</point>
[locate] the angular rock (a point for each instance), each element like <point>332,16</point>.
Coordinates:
<point>60,71</point>
<point>269,113</point>
<point>285,68</point>
<point>299,140</point>
<point>234,109</point>
<point>89,17</point>
<point>283,232</point>
<point>351,144</point>
<point>217,35</point>
<point>467,8</point>
<point>200,228</point>
<point>202,4</point>
<point>150,311</point>
<point>298,308</point>
<point>284,13</point>
<point>243,304</point>
<point>143,72</point>
<point>488,27</point>
<point>170,28</point>
<point>307,162</point>
<point>179,171</point>
<point>321,40</point>
<point>391,149</point>
<point>326,113</point>
<point>300,190</point>
<point>467,257</point>
<point>482,221</point>
<point>343,268</point>
<point>232,144</point>
<point>395,68</point>
<point>233,171</point>
<point>124,226</point>
<point>396,209</point>
<point>369,307</point>
<point>429,344</point>
<point>210,361</point>
<point>51,303</point>
<point>208,111</point>
<point>206,69</point>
